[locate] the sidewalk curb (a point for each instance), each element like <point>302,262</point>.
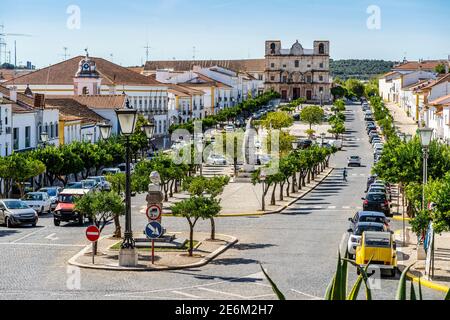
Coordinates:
<point>233,240</point>
<point>260,213</point>
<point>397,218</point>
<point>425,283</point>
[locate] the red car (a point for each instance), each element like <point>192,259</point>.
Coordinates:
<point>65,208</point>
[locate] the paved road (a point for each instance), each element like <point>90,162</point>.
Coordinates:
<point>298,248</point>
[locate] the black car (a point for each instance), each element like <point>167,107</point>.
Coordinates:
<point>305,144</point>
<point>373,137</point>
<point>377,202</point>
<point>368,217</point>
<point>296,117</point>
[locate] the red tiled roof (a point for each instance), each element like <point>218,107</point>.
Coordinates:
<point>63,73</point>
<point>71,107</point>
<point>442,101</point>
<point>97,101</point>
<point>416,65</point>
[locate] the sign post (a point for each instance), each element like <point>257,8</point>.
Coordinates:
<point>93,234</point>
<point>153,231</point>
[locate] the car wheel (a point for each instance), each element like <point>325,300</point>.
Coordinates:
<point>8,223</point>
<point>393,272</point>
<point>56,222</point>
<point>42,211</point>
<point>33,225</point>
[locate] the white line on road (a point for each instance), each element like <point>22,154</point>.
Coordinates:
<point>186,294</point>
<point>332,207</point>
<point>28,235</point>
<point>223,293</point>
<point>52,237</point>
<point>43,244</point>
<point>306,294</point>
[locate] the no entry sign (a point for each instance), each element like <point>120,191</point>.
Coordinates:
<point>154,212</point>
<point>92,233</point>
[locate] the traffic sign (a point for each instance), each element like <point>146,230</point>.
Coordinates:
<point>154,230</point>
<point>92,233</point>
<point>154,212</point>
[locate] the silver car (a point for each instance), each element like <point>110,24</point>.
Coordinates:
<point>53,193</point>
<point>17,213</point>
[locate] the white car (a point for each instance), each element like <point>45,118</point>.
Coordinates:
<point>335,143</point>
<point>229,128</point>
<point>378,145</point>
<point>39,201</point>
<point>215,159</point>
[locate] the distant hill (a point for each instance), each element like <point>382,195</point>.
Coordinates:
<point>359,69</point>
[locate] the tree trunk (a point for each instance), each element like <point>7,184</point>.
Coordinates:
<point>273,201</point>
<point>288,188</point>
<point>171,189</point>
<point>308,177</point>
<point>294,183</point>
<point>118,229</point>
<point>176,186</point>
<point>281,191</point>
<point>213,229</point>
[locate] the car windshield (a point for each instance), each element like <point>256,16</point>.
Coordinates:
<point>361,229</point>
<point>33,197</point>
<point>97,179</point>
<point>88,184</point>
<point>378,242</point>
<point>16,205</point>
<point>50,192</point>
<point>66,198</point>
<point>373,219</point>
<point>75,185</point>
<point>376,197</point>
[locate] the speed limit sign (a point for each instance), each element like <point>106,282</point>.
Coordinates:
<point>154,212</point>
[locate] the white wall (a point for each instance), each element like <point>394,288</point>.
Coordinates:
<point>5,122</point>
<point>21,121</point>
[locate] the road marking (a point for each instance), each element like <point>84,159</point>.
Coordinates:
<point>43,244</point>
<point>52,237</point>
<point>186,294</point>
<point>306,294</point>
<point>28,235</point>
<point>223,293</point>
<point>332,207</point>
<point>346,208</point>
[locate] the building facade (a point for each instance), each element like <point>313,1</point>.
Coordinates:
<point>297,72</point>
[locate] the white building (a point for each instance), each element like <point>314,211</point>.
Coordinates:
<point>97,76</point>
<point>5,125</point>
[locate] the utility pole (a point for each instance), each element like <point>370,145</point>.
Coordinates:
<point>147,51</point>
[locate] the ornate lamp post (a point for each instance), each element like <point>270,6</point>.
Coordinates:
<point>149,130</point>
<point>44,138</point>
<point>89,137</point>
<point>426,135</point>
<point>105,130</point>
<point>127,121</point>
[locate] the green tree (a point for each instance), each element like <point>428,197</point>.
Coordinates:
<point>118,185</point>
<point>101,207</point>
<point>312,115</point>
<point>440,68</point>
<point>193,209</point>
<point>355,86</point>
<point>277,120</point>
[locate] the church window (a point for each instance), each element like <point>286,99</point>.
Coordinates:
<point>297,63</point>
<point>321,65</point>
<point>85,91</point>
<point>272,48</point>
<point>272,78</point>
<point>320,78</point>
<point>272,65</point>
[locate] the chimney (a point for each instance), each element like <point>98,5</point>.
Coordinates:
<point>39,101</point>
<point>13,94</point>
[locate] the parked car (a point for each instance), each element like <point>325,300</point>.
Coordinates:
<point>371,128</point>
<point>65,210</point>
<point>377,188</point>
<point>262,159</point>
<point>113,171</point>
<point>123,167</point>
<point>377,201</point>
<point>368,118</point>
<point>370,181</point>
<point>102,183</point>
<point>368,216</point>
<point>378,145</point>
<point>336,143</point>
<point>17,213</point>
<point>39,201</point>
<point>90,184</point>
<point>215,159</point>
<point>375,141</point>
<point>296,117</point>
<point>229,128</point>
<point>354,161</point>
<point>356,234</point>
<point>53,193</point>
<point>74,185</point>
<point>376,137</point>
<point>380,249</point>
<point>305,143</point>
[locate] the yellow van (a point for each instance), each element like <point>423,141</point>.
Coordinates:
<point>380,247</point>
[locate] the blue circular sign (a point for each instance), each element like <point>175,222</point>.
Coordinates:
<point>154,230</point>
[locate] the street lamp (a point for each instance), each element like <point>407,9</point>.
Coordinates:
<point>321,98</point>
<point>127,121</point>
<point>425,134</point>
<point>44,138</point>
<point>105,130</point>
<point>149,130</point>
<point>89,137</point>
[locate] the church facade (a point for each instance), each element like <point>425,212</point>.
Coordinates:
<point>298,72</point>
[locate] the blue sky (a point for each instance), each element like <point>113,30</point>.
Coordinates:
<point>225,29</point>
